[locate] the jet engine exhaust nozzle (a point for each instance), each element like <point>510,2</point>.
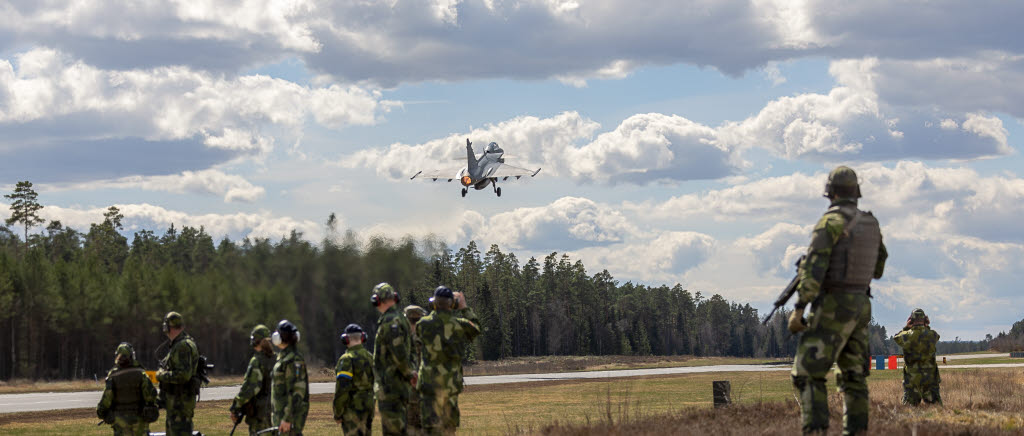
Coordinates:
<point>466,180</point>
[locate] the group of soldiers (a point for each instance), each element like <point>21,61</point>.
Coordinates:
<point>415,372</point>
<point>414,375</point>
<point>846,252</point>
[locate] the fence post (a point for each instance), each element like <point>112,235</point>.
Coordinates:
<point>722,393</point>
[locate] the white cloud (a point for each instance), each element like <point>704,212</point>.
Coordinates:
<point>205,182</point>
<point>150,217</point>
<point>564,224</point>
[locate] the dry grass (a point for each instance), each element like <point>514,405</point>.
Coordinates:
<point>976,402</point>
<point>549,364</point>
<point>983,402</point>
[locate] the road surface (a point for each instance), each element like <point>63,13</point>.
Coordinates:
<point>11,403</point>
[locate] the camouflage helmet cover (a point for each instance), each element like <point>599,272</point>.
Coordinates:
<point>384,291</point>
<point>258,334</point>
<point>414,313</point>
<point>173,320</point>
<point>918,314</point>
<point>125,349</point>
<point>842,177</point>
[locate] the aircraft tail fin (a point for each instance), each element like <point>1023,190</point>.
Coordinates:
<point>470,156</point>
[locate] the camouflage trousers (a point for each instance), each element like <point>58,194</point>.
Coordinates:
<point>392,412</point>
<point>439,412</point>
<point>129,426</point>
<point>258,423</point>
<point>413,419</point>
<point>921,383</point>
<point>357,423</point>
<point>179,414</point>
<point>837,333</point>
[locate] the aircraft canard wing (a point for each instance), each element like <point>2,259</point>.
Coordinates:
<point>505,171</point>
<point>447,175</point>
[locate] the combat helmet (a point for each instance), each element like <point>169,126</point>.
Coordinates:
<point>844,178</point>
<point>918,317</point>
<point>124,349</point>
<point>173,320</point>
<point>259,333</point>
<point>383,292</point>
<point>413,313</point>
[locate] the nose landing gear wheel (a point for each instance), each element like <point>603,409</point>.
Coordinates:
<point>498,191</point>
<point>464,192</point>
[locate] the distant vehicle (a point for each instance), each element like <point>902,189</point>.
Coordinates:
<point>480,172</point>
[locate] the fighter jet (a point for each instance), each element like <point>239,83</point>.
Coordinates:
<point>480,171</point>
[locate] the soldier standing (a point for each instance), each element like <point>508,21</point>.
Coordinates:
<point>353,388</point>
<point>920,372</point>
<point>393,376</point>
<point>178,388</point>
<point>444,335</point>
<point>845,253</point>
<point>128,403</point>
<point>413,314</point>
<point>253,399</point>
<point>289,397</point>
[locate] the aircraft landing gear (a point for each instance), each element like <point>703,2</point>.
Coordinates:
<point>464,191</point>
<point>498,191</point>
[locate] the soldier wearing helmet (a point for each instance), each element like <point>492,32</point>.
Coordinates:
<point>353,386</point>
<point>253,399</point>
<point>920,372</point>
<point>128,403</point>
<point>393,374</point>
<point>414,314</point>
<point>178,388</point>
<point>845,254</point>
<point>289,391</point>
<point>444,333</point>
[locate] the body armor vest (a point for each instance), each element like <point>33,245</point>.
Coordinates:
<point>128,390</point>
<point>852,263</point>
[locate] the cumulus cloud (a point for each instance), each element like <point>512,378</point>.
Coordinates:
<point>49,100</point>
<point>206,182</point>
<point>565,224</point>
<point>148,217</point>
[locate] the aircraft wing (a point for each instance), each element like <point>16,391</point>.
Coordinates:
<point>448,174</point>
<point>505,171</point>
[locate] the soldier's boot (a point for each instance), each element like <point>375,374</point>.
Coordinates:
<point>911,397</point>
<point>813,404</point>
<point>855,402</point>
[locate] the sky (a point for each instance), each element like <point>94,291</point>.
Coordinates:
<point>680,141</point>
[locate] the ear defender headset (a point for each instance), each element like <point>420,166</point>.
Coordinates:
<point>350,330</point>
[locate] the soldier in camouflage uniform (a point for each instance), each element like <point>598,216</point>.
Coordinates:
<point>845,253</point>
<point>444,335</point>
<point>353,388</point>
<point>253,399</point>
<point>393,376</point>
<point>289,393</point>
<point>414,314</point>
<point>920,372</point>
<point>128,403</point>
<point>178,388</point>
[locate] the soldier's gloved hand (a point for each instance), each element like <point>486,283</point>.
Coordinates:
<point>797,323</point>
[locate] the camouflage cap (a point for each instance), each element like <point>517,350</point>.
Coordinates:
<point>384,291</point>
<point>125,349</point>
<point>174,320</point>
<point>413,312</point>
<point>259,333</point>
<point>918,314</point>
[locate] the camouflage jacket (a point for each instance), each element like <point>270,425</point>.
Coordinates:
<point>391,346</point>
<point>353,387</point>
<point>127,391</point>
<point>826,234</point>
<point>918,344</point>
<point>255,390</point>
<point>444,335</point>
<point>178,366</point>
<point>290,390</point>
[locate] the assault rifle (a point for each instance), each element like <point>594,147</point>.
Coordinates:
<point>239,415</point>
<point>786,293</point>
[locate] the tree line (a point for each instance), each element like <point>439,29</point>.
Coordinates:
<point>67,298</point>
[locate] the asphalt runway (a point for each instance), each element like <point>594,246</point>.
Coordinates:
<point>12,403</point>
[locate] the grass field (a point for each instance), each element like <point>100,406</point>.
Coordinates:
<point>977,401</point>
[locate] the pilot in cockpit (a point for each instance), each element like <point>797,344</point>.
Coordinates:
<point>493,148</point>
